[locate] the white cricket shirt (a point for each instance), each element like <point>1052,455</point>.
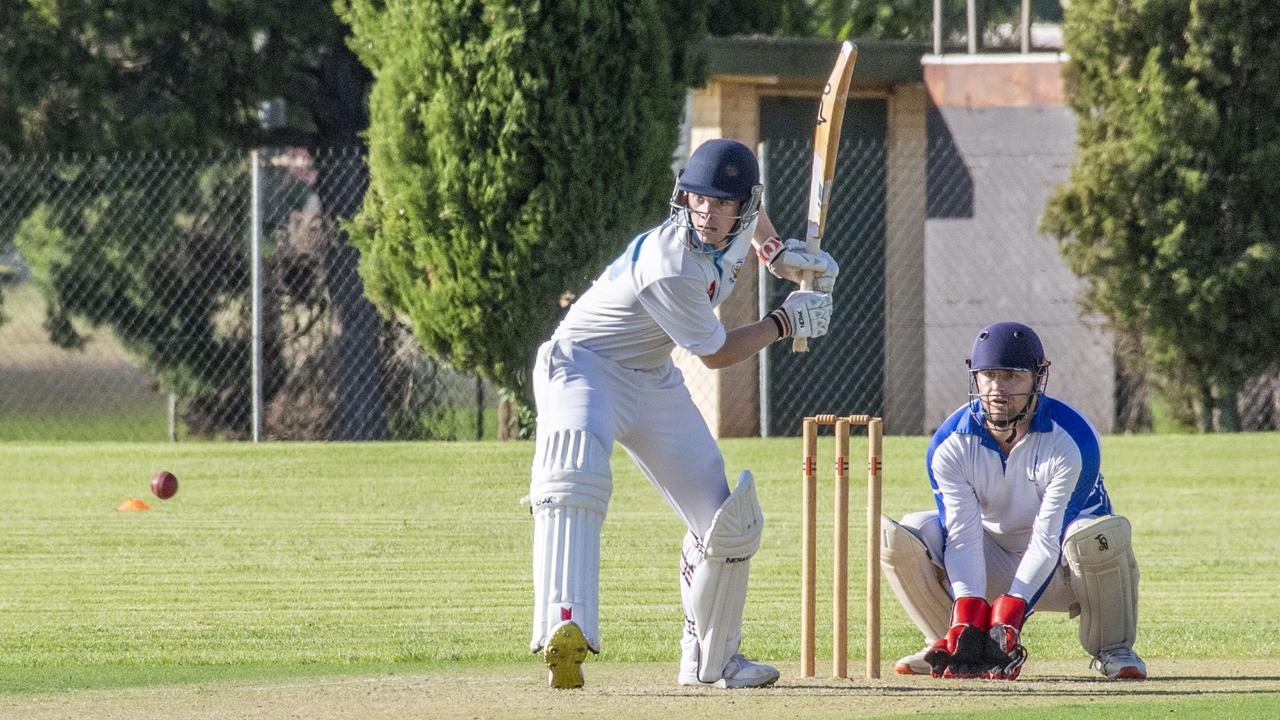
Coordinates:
<point>657,294</point>
<point>1025,502</point>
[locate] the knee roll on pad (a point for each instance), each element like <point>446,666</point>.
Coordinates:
<point>570,497</point>
<point>738,525</point>
<point>715,573</point>
<point>919,585</point>
<point>1104,579</point>
<point>571,468</point>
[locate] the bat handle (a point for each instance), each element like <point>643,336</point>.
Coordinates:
<point>801,344</point>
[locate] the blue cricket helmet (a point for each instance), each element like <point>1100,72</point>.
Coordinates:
<point>721,168</point>
<point>1006,346</point>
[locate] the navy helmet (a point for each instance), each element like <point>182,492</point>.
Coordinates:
<point>723,169</point>
<point>1008,346</point>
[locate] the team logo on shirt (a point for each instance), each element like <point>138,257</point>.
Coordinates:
<point>733,276</point>
<point>711,291</point>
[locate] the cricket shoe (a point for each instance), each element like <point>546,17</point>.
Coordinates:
<point>914,664</point>
<point>739,673</point>
<point>564,652</point>
<point>1120,663</point>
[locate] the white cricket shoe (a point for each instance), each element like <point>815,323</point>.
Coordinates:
<point>1120,663</point>
<point>564,652</point>
<point>914,664</point>
<point>739,673</point>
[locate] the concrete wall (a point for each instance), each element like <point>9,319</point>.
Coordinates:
<point>1000,143</point>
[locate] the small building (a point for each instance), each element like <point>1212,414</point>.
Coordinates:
<point>946,162</point>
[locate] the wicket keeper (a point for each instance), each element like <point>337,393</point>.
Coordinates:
<point>1023,523</point>
<point>606,374</point>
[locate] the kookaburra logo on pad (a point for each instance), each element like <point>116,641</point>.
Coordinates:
<point>1102,542</point>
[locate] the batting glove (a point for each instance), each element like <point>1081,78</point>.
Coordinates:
<point>1007,617</point>
<point>804,314</point>
<point>789,260</point>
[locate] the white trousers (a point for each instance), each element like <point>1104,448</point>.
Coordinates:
<point>648,412</point>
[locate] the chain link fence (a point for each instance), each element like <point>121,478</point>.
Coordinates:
<point>129,306</point>
<point>849,362</point>
<point>128,287</point>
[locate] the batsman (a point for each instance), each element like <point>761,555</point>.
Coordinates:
<point>1023,523</point>
<point>606,375</point>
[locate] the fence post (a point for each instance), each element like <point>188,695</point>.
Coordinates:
<point>762,294</point>
<point>971,14</point>
<point>255,265</point>
<point>937,27</point>
<point>479,407</point>
<point>1025,29</point>
<point>172,411</point>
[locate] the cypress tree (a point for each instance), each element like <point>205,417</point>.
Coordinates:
<point>1170,211</point>
<point>514,148</point>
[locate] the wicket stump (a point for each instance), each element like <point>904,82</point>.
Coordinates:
<point>840,579</point>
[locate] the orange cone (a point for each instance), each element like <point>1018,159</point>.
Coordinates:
<point>133,505</point>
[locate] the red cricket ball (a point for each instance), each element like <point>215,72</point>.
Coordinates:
<point>164,485</point>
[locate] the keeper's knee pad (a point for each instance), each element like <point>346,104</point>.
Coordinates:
<point>919,585</point>
<point>569,496</point>
<point>1104,579</point>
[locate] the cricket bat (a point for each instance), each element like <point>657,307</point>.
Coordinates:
<point>826,142</point>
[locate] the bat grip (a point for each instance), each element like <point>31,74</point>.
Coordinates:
<point>801,344</point>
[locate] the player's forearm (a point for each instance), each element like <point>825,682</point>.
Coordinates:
<point>764,230</point>
<point>966,569</point>
<point>741,343</point>
<point>1040,559</point>
<point>1035,570</point>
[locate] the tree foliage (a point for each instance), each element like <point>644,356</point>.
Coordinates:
<point>1170,211</point>
<point>165,297</point>
<point>514,147</point>
<point>874,19</point>
<point>891,20</point>
<point>79,76</point>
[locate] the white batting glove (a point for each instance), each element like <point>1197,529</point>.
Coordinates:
<point>804,313</point>
<point>790,259</point>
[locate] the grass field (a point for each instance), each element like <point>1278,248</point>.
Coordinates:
<point>392,580</point>
<point>98,393</point>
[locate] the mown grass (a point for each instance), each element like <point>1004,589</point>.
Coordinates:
<point>65,420</point>
<point>293,560</point>
<point>47,393</point>
<point>1216,708</point>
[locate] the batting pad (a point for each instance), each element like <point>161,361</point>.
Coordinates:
<point>570,496</point>
<point>718,589</point>
<point>1104,578</point>
<point>916,581</point>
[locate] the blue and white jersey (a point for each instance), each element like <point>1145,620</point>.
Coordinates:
<point>657,294</point>
<point>1024,502</point>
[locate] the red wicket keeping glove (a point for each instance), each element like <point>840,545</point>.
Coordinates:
<point>963,652</point>
<point>1007,617</point>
